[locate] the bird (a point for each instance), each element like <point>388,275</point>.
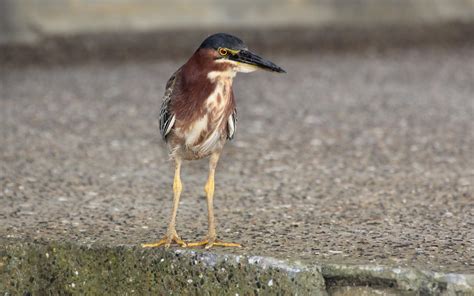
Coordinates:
<point>198,116</point>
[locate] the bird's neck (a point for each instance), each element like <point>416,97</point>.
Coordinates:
<point>226,76</point>
<point>204,65</point>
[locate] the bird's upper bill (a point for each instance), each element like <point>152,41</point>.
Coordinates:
<point>228,49</point>
<point>247,61</point>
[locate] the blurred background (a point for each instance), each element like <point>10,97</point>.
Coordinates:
<point>30,20</point>
<point>143,27</point>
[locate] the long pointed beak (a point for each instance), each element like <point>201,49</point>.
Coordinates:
<point>247,57</point>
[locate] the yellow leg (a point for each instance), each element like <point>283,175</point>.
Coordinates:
<point>209,189</point>
<point>171,234</point>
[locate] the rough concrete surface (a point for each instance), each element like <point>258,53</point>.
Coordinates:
<point>355,167</point>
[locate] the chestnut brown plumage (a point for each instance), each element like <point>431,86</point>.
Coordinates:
<point>198,116</point>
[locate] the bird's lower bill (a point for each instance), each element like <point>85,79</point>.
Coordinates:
<point>245,68</point>
<point>248,61</point>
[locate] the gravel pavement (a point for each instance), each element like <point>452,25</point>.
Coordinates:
<point>354,157</point>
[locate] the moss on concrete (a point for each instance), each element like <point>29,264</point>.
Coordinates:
<point>39,268</point>
<point>51,268</point>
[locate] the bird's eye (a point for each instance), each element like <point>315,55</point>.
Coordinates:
<point>223,51</point>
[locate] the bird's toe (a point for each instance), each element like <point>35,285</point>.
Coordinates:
<point>207,243</point>
<point>166,242</point>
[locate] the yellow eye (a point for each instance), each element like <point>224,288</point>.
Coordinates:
<point>223,51</point>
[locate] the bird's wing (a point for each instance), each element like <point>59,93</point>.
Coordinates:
<point>167,117</point>
<point>232,124</point>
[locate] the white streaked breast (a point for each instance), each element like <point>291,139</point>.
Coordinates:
<point>195,131</point>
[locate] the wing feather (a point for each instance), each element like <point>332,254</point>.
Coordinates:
<point>232,125</point>
<point>167,118</point>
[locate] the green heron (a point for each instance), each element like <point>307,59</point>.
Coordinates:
<point>198,116</point>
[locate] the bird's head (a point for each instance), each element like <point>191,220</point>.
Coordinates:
<point>230,50</point>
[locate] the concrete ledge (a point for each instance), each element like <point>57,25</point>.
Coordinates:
<point>376,193</point>
<point>54,267</point>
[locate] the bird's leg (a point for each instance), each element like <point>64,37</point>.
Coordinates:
<point>171,234</point>
<point>209,189</point>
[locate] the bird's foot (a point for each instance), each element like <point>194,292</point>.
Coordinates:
<point>166,241</point>
<point>209,243</point>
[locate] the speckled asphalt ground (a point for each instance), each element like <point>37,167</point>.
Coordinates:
<point>355,157</point>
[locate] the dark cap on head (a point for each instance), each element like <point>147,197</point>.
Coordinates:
<point>223,40</point>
